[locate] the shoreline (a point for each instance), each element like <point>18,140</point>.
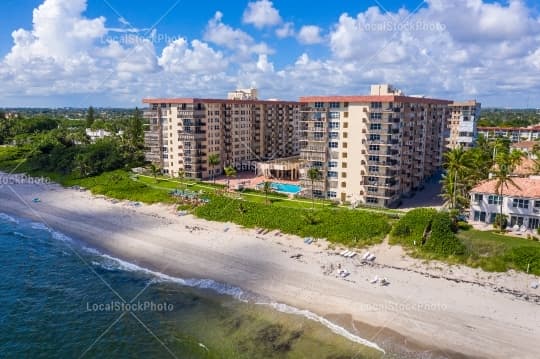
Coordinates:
<point>465,317</point>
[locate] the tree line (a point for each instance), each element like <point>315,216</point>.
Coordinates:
<point>62,146</point>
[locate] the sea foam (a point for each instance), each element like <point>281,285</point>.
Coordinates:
<point>7,217</point>
<point>238,293</point>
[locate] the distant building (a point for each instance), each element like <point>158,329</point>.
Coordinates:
<point>242,130</point>
<point>527,147</point>
<point>243,94</point>
<point>515,134</point>
<point>521,204</point>
<point>100,133</point>
<point>371,149</point>
<point>462,125</point>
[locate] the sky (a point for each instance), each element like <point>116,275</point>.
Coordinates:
<point>77,53</point>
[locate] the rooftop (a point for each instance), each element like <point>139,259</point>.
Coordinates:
<point>526,145</point>
<point>526,187</point>
<point>374,98</point>
<point>191,100</point>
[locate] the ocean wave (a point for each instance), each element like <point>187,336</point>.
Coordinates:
<point>336,329</point>
<point>40,226</point>
<point>55,234</point>
<point>19,234</point>
<point>7,217</point>
<point>113,263</point>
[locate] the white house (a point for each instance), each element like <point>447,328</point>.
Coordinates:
<point>521,203</point>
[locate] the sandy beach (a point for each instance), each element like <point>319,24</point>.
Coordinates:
<point>454,311</point>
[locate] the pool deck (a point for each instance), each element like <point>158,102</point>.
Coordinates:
<point>249,180</point>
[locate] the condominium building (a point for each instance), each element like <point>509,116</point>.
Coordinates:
<point>462,125</point>
<point>183,132</point>
<point>515,134</point>
<point>371,149</point>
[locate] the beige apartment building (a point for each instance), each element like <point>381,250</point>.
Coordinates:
<point>371,149</point>
<point>462,125</point>
<point>242,130</point>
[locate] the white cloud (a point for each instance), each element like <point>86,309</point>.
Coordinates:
<point>310,34</point>
<point>261,13</point>
<point>224,35</point>
<point>455,50</point>
<point>287,30</point>
<point>178,57</point>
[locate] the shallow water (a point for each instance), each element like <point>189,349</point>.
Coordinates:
<point>60,299</point>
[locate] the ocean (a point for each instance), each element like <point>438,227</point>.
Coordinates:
<point>60,299</point>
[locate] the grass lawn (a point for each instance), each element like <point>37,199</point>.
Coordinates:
<point>495,252</point>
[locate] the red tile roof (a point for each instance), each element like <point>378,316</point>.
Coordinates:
<point>528,145</point>
<point>526,187</point>
<point>176,101</point>
<point>373,98</point>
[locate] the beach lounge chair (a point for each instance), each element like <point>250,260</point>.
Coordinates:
<point>352,255</point>
<point>385,282</point>
<point>343,252</point>
<point>374,280</point>
<point>366,255</point>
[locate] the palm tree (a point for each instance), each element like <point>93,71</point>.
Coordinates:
<point>267,187</point>
<point>458,166</point>
<point>230,171</point>
<point>181,175</point>
<point>213,160</point>
<point>313,174</point>
<point>155,170</point>
<point>505,165</point>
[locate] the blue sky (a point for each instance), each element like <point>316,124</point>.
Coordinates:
<point>100,52</point>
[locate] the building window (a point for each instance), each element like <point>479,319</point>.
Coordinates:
<point>344,165</point>
<point>332,194</point>
<point>479,216</point>
<point>334,104</point>
<point>332,164</point>
<point>334,125</point>
<point>376,105</point>
<point>478,198</point>
<point>375,116</point>
<point>374,137</point>
<point>333,135</point>
<point>333,145</point>
<point>343,174</point>
<point>373,169</point>
<point>374,147</point>
<point>334,115</point>
<point>346,114</point>
<point>536,204</point>
<point>373,158</point>
<point>343,184</point>
<point>372,200</point>
<point>345,125</point>
<point>344,144</point>
<point>375,126</point>
<point>520,203</point>
<point>372,189</point>
<point>332,174</point>
<point>495,199</point>
<point>344,155</point>
<point>319,104</point>
<point>345,134</point>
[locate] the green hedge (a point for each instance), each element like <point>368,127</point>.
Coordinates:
<point>337,225</point>
<point>411,227</point>
<point>443,241</point>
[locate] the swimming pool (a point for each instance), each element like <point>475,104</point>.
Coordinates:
<point>285,187</point>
